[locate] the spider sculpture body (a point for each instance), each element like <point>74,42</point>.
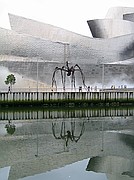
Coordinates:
<point>68,134</point>
<point>69,71</point>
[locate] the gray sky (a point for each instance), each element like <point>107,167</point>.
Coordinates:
<point>67,14</point>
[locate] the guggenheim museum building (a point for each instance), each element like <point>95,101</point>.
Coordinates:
<point>32,50</point>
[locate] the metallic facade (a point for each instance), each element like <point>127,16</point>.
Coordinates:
<point>30,42</point>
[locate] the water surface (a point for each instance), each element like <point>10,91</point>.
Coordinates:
<point>67,144</point>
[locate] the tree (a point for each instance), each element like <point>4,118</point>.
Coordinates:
<point>10,127</point>
<point>11,80</point>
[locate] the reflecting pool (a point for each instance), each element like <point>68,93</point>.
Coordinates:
<point>68,144</point>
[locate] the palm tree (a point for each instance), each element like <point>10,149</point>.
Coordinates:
<point>11,80</point>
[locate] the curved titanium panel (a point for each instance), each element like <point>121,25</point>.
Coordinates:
<point>109,28</point>
<point>118,12</point>
<point>129,17</point>
<point>43,30</point>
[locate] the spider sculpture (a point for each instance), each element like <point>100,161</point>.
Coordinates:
<point>69,71</point>
<point>69,134</point>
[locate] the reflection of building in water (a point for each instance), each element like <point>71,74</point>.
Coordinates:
<point>18,150</point>
<point>74,113</point>
<point>68,134</point>
<point>115,167</point>
<point>127,138</point>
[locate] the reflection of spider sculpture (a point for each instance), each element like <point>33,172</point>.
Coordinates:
<point>66,135</point>
<point>70,72</point>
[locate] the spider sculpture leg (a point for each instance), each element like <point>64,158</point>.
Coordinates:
<point>63,132</point>
<point>81,133</point>
<point>82,129</point>
<point>64,81</point>
<point>53,78</point>
<point>73,80</point>
<point>76,138</point>
<point>82,75</point>
<point>72,130</point>
<point>63,76</point>
<point>53,130</point>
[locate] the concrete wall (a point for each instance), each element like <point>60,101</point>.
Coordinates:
<point>116,95</point>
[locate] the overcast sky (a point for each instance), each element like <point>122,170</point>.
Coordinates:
<point>67,14</point>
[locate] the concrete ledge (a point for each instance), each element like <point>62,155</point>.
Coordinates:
<point>68,99</point>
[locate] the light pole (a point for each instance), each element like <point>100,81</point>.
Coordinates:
<point>37,148</point>
<point>66,57</point>
<point>37,136</point>
<point>102,130</point>
<point>103,75</point>
<point>66,52</point>
<point>37,76</point>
